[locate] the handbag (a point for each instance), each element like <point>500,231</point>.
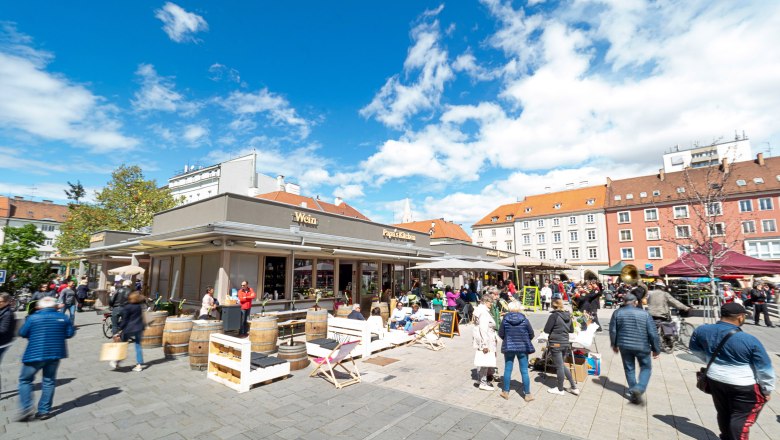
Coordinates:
<point>701,375</point>
<point>113,351</point>
<point>485,359</point>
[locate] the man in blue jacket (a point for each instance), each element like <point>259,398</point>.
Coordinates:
<point>741,377</point>
<point>46,331</point>
<point>632,332</point>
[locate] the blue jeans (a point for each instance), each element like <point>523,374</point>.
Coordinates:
<point>630,358</point>
<point>509,363</point>
<point>244,329</point>
<point>72,311</point>
<point>26,377</point>
<point>139,356</point>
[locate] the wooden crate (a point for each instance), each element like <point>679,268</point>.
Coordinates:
<point>230,363</point>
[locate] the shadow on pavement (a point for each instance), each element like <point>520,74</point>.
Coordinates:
<point>37,387</point>
<point>86,399</point>
<point>690,358</point>
<point>683,425</point>
<point>78,326</point>
<point>609,385</point>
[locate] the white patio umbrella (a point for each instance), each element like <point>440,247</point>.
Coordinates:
<point>129,270</point>
<point>485,265</point>
<point>448,264</point>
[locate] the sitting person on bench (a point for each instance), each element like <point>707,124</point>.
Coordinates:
<point>398,319</point>
<point>355,313</point>
<point>416,316</point>
<point>375,324</point>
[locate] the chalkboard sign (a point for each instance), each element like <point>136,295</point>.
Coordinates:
<point>531,297</point>
<point>449,323</point>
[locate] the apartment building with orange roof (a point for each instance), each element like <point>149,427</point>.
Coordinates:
<point>649,217</point>
<point>567,226</point>
<point>45,215</point>
<point>339,206</point>
<point>438,229</point>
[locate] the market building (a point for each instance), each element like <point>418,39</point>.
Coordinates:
<point>650,219</point>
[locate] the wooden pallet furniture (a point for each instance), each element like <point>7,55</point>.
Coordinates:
<point>231,363</point>
<point>347,330</point>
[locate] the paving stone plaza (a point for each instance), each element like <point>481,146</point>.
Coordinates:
<point>424,395</point>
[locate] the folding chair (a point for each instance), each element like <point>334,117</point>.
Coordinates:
<point>335,359</point>
<point>429,337</point>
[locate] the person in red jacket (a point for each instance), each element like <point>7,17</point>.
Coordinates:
<point>245,296</point>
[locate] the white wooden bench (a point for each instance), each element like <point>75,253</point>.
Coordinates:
<point>345,330</point>
<point>230,363</point>
<point>430,314</point>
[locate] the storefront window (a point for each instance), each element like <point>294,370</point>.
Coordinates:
<point>243,267</point>
<point>191,283</point>
<point>325,278</point>
<point>164,278</point>
<point>369,279</point>
<point>209,273</point>
<point>275,277</point>
<point>302,273</point>
<point>399,279</point>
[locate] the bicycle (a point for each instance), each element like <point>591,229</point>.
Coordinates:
<point>108,327</point>
<point>674,334</point>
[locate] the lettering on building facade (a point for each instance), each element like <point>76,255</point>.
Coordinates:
<point>97,237</point>
<point>496,254</point>
<point>305,219</point>
<point>395,234</point>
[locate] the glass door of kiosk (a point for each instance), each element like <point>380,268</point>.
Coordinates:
<point>346,281</point>
<point>369,285</point>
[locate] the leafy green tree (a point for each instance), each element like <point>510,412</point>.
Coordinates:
<point>76,192</point>
<point>18,252</point>
<point>128,202</point>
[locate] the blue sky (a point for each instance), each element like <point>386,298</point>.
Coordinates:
<point>460,106</point>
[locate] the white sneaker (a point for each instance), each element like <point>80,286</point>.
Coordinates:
<point>555,390</point>
<point>575,391</point>
<point>113,365</point>
<point>486,387</point>
<point>138,367</point>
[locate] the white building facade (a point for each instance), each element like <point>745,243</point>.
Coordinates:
<point>46,216</point>
<point>737,150</point>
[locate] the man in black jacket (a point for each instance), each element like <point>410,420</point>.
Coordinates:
<point>117,302</point>
<point>759,298</point>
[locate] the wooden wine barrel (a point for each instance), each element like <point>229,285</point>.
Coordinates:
<point>176,336</point>
<point>152,336</point>
<point>384,311</point>
<point>316,324</point>
<point>199,342</point>
<point>294,354</point>
<point>263,333</point>
<point>343,311</point>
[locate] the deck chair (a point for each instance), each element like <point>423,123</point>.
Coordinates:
<point>429,337</point>
<point>328,364</point>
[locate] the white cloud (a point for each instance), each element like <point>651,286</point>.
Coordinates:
<point>396,101</point>
<point>349,192</point>
<point>220,72</point>
<point>195,134</point>
<point>275,107</point>
<point>48,105</point>
<point>157,93</point>
<point>467,62</point>
<point>180,25</point>
<point>38,191</point>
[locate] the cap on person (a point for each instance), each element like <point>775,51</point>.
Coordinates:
<point>732,309</point>
<point>629,298</point>
<point>46,303</point>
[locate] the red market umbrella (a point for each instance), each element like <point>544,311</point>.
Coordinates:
<point>729,263</point>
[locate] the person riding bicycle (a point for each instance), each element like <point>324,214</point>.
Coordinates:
<point>658,302</point>
<point>117,303</point>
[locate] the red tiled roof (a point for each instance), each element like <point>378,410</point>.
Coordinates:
<point>441,229</point>
<point>752,176</point>
<point>29,210</point>
<point>293,199</point>
<point>560,202</point>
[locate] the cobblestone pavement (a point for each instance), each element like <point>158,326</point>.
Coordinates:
<point>169,401</point>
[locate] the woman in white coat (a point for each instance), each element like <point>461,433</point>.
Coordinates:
<point>485,341</point>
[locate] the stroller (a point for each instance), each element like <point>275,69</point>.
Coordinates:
<point>609,299</point>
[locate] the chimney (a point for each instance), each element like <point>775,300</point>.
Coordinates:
<point>725,165</point>
<point>760,159</point>
<point>338,201</point>
<point>661,174</point>
<point>609,182</point>
<point>280,183</point>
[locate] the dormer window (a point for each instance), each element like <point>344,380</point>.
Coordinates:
<point>741,182</point>
<point>629,196</point>
<point>493,219</point>
<point>591,201</point>
<point>758,180</point>
<point>656,193</point>
<point>680,189</point>
<point>642,194</point>
<point>510,217</point>
<point>618,197</point>
<point>557,206</point>
<point>527,209</point>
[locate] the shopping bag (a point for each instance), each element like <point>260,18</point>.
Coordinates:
<point>113,351</point>
<point>485,359</point>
